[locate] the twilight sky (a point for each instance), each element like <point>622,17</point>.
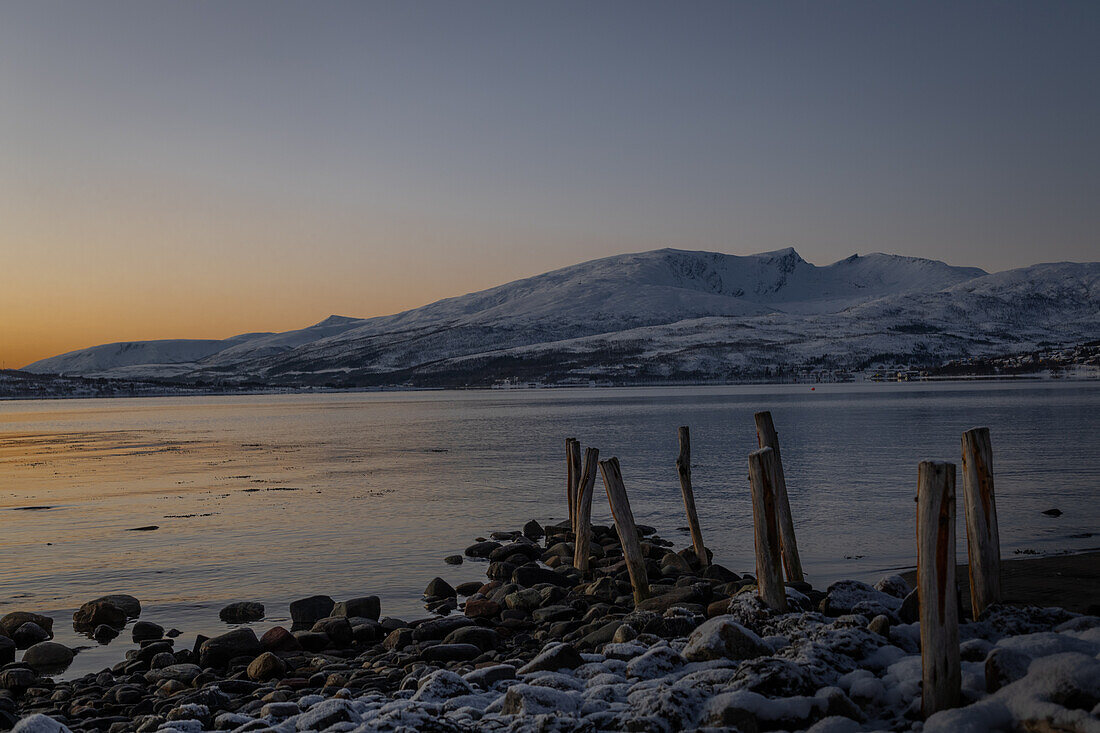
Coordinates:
<point>199,169</point>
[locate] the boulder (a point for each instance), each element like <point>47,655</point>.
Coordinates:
<point>529,575</point>
<point>130,606</point>
<point>483,638</point>
<point>398,639</point>
<point>893,585</point>
<point>482,608</point>
<point>853,597</point>
<point>278,639</point>
<point>312,641</point>
<point>217,652</point>
<point>104,633</point>
<point>481,549</point>
<point>527,549</point>
<point>439,628</point>
<point>364,606</point>
<point>441,685</point>
<point>242,612</point>
<point>450,653</point>
<point>553,658</point>
<point>30,634</point>
<point>486,677</point>
<point>337,629</point>
<point>529,700</point>
<point>7,650</point>
<point>469,588</point>
<point>48,656</point>
<point>94,613</point>
<point>147,630</point>
<point>266,667</point>
<point>533,530</point>
<point>657,661</point>
<point>723,638</point>
<point>453,559</point>
<point>305,612</point>
<point>12,621</point>
<point>439,588</point>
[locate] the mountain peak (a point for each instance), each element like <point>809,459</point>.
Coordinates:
<point>335,321</point>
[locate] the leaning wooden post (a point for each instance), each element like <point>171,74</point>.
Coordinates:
<point>572,473</point>
<point>582,540</point>
<point>939,610</point>
<point>983,541</point>
<point>769,572</point>
<point>683,467</point>
<point>766,436</point>
<point>624,523</point>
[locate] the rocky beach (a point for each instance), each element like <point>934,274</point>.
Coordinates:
<point>539,646</point>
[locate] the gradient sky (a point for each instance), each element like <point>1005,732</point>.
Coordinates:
<point>199,169</point>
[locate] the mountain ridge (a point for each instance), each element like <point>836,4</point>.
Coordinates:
<point>672,312</point>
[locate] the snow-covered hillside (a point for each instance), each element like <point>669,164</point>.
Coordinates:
<point>663,314</point>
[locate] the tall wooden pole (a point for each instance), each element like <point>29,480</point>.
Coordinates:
<point>983,540</point>
<point>583,539</point>
<point>683,467</point>
<point>624,523</point>
<point>572,474</point>
<point>769,572</point>
<point>766,436</point>
<point>937,593</point>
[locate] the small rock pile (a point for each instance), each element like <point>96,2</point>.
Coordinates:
<point>539,647</point>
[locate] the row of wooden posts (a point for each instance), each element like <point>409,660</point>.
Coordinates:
<point>777,549</point>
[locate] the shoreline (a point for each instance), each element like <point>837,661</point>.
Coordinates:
<point>532,640</point>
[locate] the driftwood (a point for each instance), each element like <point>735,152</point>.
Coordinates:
<point>983,541</point>
<point>769,572</point>
<point>624,523</point>
<point>938,601</point>
<point>572,475</point>
<point>766,436</point>
<point>683,467</point>
<point>583,539</point>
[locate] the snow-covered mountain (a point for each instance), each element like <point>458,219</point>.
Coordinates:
<point>665,314</point>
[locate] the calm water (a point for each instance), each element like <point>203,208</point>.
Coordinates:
<point>270,498</point>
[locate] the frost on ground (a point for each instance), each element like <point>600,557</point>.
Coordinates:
<point>750,669</point>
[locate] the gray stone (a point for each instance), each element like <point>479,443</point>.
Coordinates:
<point>486,677</point>
<point>147,630</point>
<point>266,667</point>
<point>29,634</point>
<point>7,650</point>
<point>242,612</point>
<point>129,605</point>
<point>365,607</point>
<point>94,613</point>
<point>450,653</point>
<point>218,651</point>
<point>439,588</point>
<point>723,638</point>
<point>482,637</point>
<point>48,656</point>
<point>553,658</point>
<point>12,621</point>
<point>307,611</point>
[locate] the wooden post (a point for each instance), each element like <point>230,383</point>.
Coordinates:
<point>769,572</point>
<point>983,540</point>
<point>939,609</point>
<point>767,437</point>
<point>572,474</point>
<point>624,523</point>
<point>582,540</point>
<point>683,467</point>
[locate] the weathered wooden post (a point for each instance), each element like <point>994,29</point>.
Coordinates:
<point>983,540</point>
<point>939,610</point>
<point>683,467</point>
<point>769,572</point>
<point>572,474</point>
<point>767,437</point>
<point>583,539</point>
<point>624,523</point>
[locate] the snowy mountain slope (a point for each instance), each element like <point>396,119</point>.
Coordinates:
<point>666,313</point>
<point>106,357</point>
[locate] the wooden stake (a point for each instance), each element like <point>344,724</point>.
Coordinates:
<point>939,610</point>
<point>767,437</point>
<point>624,523</point>
<point>769,572</point>
<point>683,467</point>
<point>983,541</point>
<point>583,539</point>
<point>572,474</point>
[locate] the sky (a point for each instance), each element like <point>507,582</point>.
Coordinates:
<point>201,169</point>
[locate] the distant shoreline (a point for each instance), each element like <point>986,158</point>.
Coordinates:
<point>132,389</point>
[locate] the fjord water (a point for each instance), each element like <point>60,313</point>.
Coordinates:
<point>274,497</point>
